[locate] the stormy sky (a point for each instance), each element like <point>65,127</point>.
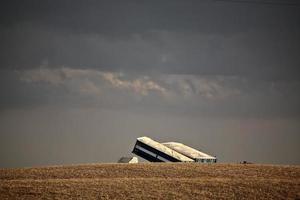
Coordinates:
<point>81,80</point>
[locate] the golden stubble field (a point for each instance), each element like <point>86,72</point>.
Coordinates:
<point>152,181</point>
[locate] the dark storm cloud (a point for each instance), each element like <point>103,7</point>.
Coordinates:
<point>119,17</point>
<point>199,37</point>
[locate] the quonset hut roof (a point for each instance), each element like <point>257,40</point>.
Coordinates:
<point>162,148</point>
<point>187,151</point>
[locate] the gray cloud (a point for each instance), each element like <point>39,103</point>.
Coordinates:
<point>255,41</point>
<point>140,85</point>
<point>85,77</point>
<point>117,17</point>
<point>230,96</point>
<point>208,87</point>
<point>169,86</point>
<point>253,54</point>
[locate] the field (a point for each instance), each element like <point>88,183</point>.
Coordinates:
<point>152,181</point>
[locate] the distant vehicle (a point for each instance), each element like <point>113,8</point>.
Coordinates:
<point>154,151</point>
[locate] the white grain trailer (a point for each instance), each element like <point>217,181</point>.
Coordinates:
<point>156,152</point>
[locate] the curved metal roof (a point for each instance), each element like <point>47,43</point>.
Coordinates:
<point>187,151</point>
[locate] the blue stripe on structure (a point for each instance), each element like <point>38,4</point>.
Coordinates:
<point>145,155</point>
<point>163,157</point>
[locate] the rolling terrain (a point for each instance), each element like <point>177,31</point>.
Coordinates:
<point>152,181</point>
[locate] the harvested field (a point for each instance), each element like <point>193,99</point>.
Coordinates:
<point>152,181</point>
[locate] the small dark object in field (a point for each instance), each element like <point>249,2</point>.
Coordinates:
<point>246,162</point>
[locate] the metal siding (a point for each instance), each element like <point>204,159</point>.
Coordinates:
<point>153,150</point>
<point>145,155</point>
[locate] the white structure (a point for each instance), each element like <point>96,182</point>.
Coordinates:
<point>156,152</point>
<point>190,152</point>
<point>128,160</point>
<point>169,152</point>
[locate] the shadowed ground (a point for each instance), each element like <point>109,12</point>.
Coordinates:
<point>152,181</point>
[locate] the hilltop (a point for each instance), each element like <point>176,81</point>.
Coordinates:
<point>152,181</point>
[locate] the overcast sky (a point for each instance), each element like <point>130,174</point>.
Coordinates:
<point>80,80</point>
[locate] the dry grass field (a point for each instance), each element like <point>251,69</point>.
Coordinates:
<point>152,181</point>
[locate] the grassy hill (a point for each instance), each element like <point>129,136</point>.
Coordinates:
<point>152,181</point>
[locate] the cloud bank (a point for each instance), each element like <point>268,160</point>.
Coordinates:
<point>93,81</point>
<point>217,95</point>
